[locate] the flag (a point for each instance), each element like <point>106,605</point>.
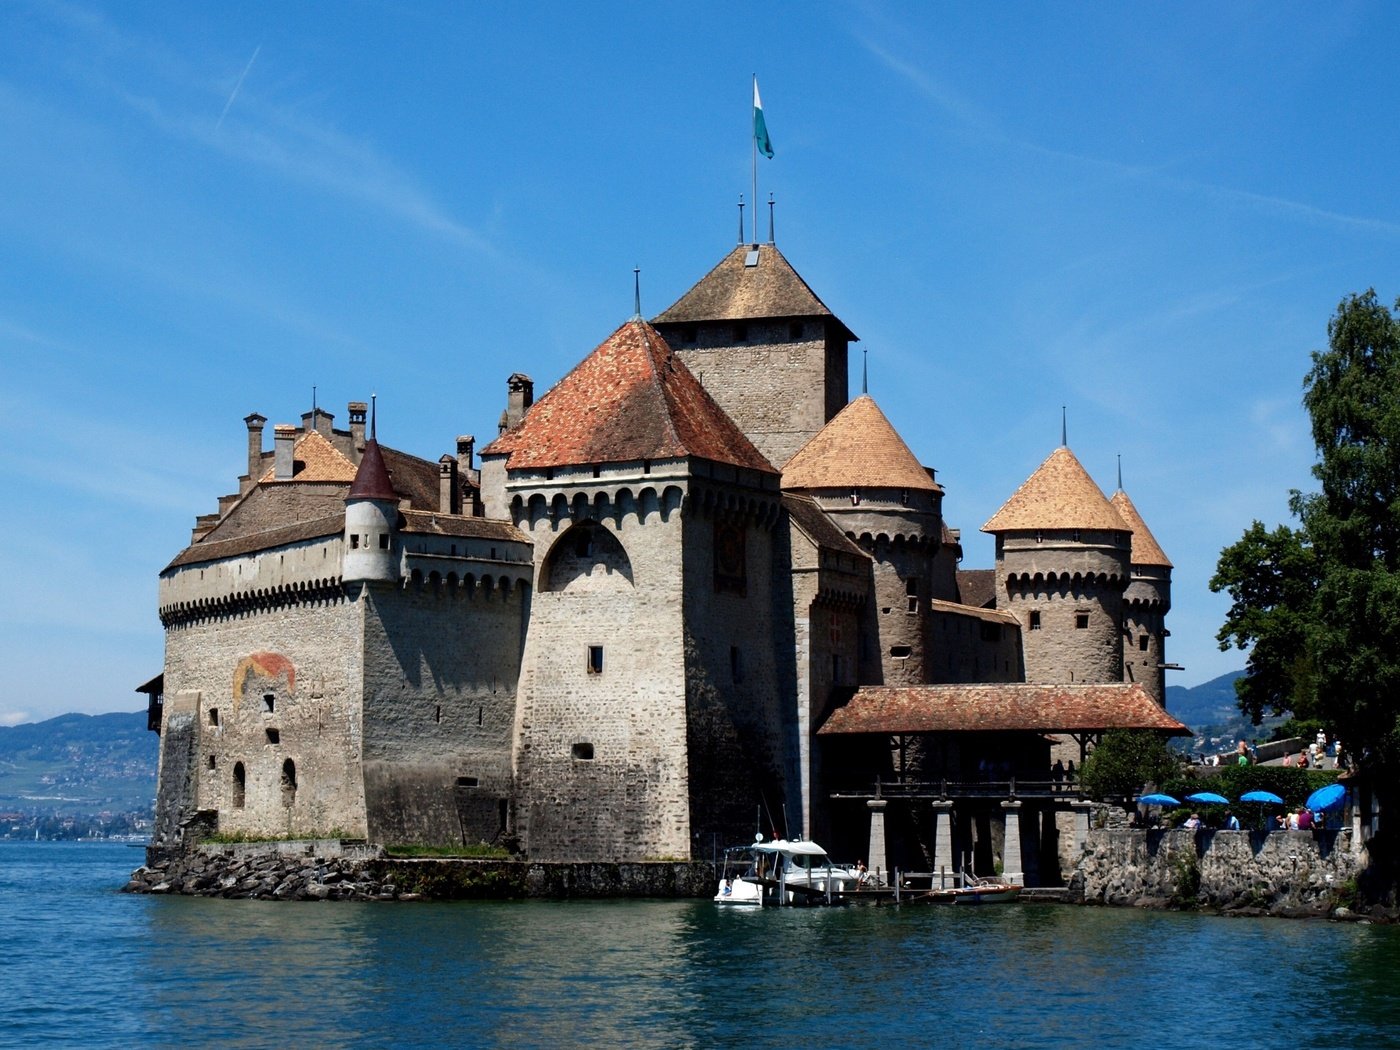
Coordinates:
<point>760,128</point>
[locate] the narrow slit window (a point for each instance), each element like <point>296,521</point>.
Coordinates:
<point>269,703</point>
<point>595,659</point>
<point>240,785</point>
<point>214,716</point>
<point>1035,620</point>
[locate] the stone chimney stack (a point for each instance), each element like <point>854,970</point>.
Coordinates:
<point>357,410</point>
<point>521,395</point>
<point>466,453</point>
<point>255,432</point>
<point>449,496</point>
<point>318,419</point>
<point>284,439</point>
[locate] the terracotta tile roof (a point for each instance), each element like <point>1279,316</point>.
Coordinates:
<point>1000,708</point>
<point>978,587</point>
<point>439,524</point>
<point>295,532</point>
<point>817,525</point>
<point>733,291</point>
<point>857,449</point>
<point>372,478</point>
<point>630,399</point>
<point>1146,550</point>
<point>319,459</point>
<point>1059,495</point>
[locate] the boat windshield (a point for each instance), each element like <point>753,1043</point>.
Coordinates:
<point>812,860</point>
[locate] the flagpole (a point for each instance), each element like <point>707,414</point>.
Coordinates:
<point>754,139</point>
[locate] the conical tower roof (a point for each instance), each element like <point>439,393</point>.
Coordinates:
<point>1059,495</point>
<point>630,399</point>
<point>372,478</point>
<point>859,448</point>
<point>1145,549</point>
<point>751,282</point>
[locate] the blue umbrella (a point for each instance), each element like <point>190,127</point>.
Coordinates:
<point>1261,796</point>
<point>1158,800</point>
<point>1209,797</point>
<point>1325,798</point>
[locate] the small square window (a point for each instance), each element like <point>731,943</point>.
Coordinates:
<point>213,762</point>
<point>269,701</point>
<point>1142,642</point>
<point>274,736</point>
<point>1081,621</point>
<point>583,752</point>
<point>354,541</point>
<point>595,659</point>
<point>384,541</point>
<point>213,716</point>
<point>1035,620</point>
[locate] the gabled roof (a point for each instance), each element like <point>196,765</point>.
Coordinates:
<point>977,587</point>
<point>247,543</point>
<point>1059,495</point>
<point>1145,549</point>
<point>372,479</point>
<point>735,291</point>
<point>630,399</point>
<point>320,460</point>
<point>1013,707</point>
<point>818,527</point>
<point>858,448</point>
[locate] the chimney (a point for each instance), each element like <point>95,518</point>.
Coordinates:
<point>466,452</point>
<point>449,498</point>
<point>317,419</point>
<point>521,395</point>
<point>357,410</point>
<point>255,431</point>
<point>284,439</point>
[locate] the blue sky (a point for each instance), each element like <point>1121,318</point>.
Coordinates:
<point>1144,212</point>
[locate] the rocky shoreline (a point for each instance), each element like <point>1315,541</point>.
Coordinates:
<point>330,870</point>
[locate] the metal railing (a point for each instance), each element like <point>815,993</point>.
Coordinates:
<point>1016,787</point>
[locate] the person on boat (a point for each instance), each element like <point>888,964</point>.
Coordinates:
<point>862,873</point>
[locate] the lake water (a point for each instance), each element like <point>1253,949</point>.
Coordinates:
<point>84,965</point>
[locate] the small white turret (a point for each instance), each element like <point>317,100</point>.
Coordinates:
<point>371,520</point>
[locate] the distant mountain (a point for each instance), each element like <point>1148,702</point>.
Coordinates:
<point>1208,704</point>
<point>78,765</point>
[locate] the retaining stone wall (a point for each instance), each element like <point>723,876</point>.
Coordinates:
<point>1250,872</point>
<point>330,870</point>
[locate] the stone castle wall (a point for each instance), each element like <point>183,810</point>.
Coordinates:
<point>311,563</point>
<point>266,688</point>
<point>968,646</point>
<point>1145,608</point>
<point>441,668</point>
<point>601,749</point>
<point>780,382</point>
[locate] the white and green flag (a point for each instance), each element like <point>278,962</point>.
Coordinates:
<point>760,127</point>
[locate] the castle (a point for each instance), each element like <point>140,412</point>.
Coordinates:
<point>694,590</point>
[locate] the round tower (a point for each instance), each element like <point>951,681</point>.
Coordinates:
<point>864,476</point>
<point>1146,603</point>
<point>371,520</point>
<point>1062,568</point>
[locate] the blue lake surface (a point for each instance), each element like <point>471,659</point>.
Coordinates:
<point>84,965</point>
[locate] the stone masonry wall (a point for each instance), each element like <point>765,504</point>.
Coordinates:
<point>271,687</point>
<point>1277,872</point>
<point>601,754</point>
<point>441,666</point>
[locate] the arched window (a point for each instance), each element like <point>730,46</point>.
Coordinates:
<point>240,785</point>
<point>289,782</point>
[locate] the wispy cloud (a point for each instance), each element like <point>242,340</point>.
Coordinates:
<point>14,718</point>
<point>236,88</point>
<point>977,121</point>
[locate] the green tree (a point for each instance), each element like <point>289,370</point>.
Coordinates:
<point>1125,760</point>
<point>1319,605</point>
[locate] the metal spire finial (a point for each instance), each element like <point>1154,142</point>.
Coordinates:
<point>1064,427</point>
<point>864,370</point>
<point>1120,472</point>
<point>741,219</point>
<point>770,218</point>
<point>313,400</point>
<point>373,414</point>
<point>637,293</point>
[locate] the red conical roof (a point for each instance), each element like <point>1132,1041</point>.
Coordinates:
<point>1059,495</point>
<point>372,479</point>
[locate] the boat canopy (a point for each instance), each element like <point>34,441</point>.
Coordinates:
<point>795,847</point>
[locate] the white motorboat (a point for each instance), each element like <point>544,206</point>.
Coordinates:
<point>784,871</point>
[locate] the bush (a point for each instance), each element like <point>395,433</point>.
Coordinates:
<point>1124,761</point>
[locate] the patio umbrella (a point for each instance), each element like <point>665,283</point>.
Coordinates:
<point>1209,797</point>
<point>1158,800</point>
<point>1261,796</point>
<point>1325,798</point>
